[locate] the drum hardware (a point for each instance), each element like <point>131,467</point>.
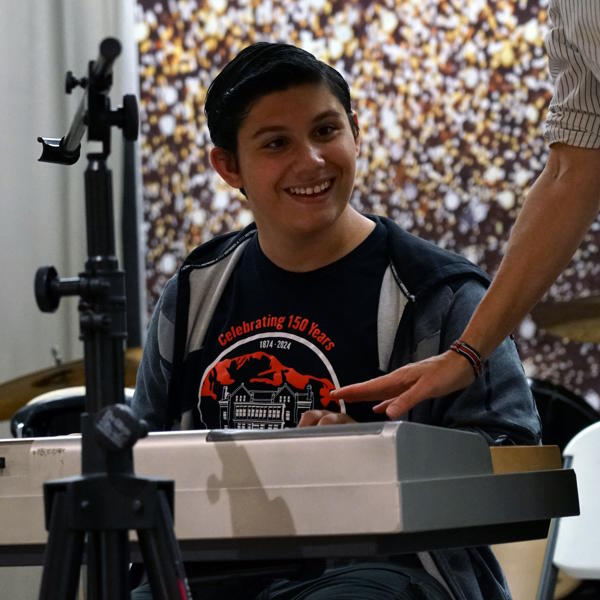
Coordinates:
<point>577,319</point>
<point>16,393</point>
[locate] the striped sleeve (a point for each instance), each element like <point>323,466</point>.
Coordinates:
<point>573,46</point>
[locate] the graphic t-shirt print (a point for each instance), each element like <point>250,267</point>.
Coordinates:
<point>271,370</point>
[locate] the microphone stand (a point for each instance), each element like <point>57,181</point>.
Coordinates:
<point>107,500</point>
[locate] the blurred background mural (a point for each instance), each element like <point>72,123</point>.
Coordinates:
<point>450,96</point>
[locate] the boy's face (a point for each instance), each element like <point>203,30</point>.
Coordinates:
<point>296,161</point>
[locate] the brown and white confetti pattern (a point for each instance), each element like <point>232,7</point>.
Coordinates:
<point>450,96</point>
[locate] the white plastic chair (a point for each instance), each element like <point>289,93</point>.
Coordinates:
<point>574,542</point>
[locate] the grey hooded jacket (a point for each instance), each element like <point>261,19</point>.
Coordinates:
<point>427,297</point>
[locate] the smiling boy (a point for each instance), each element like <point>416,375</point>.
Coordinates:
<point>296,160</point>
<point>260,325</point>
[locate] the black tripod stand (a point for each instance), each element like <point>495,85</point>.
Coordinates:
<point>107,500</point>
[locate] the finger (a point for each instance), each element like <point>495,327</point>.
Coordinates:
<point>409,399</point>
<point>328,419</point>
<point>380,408</point>
<point>311,417</point>
<point>439,377</point>
<point>372,390</point>
<point>335,419</point>
<point>397,406</point>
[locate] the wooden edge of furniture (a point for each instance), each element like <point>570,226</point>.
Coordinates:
<point>514,459</point>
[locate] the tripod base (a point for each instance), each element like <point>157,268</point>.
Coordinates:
<point>106,507</point>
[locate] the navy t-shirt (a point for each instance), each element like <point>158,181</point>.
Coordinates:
<point>279,340</point>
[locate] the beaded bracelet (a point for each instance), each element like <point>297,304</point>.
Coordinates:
<point>461,347</point>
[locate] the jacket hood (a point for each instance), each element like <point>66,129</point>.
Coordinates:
<point>428,267</point>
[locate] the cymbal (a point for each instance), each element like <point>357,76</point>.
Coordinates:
<point>17,392</point>
<point>577,319</point>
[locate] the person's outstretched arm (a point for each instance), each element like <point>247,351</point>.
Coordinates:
<point>557,212</point>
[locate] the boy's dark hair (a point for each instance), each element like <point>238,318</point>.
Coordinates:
<point>258,70</point>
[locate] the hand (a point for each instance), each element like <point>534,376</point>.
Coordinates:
<point>324,417</point>
<point>407,386</point>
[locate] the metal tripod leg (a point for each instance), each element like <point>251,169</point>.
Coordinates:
<point>162,557</point>
<point>108,562</point>
<point>107,508</point>
<point>62,558</point>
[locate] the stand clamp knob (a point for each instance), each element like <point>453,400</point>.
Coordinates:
<point>47,295</point>
<point>49,288</point>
